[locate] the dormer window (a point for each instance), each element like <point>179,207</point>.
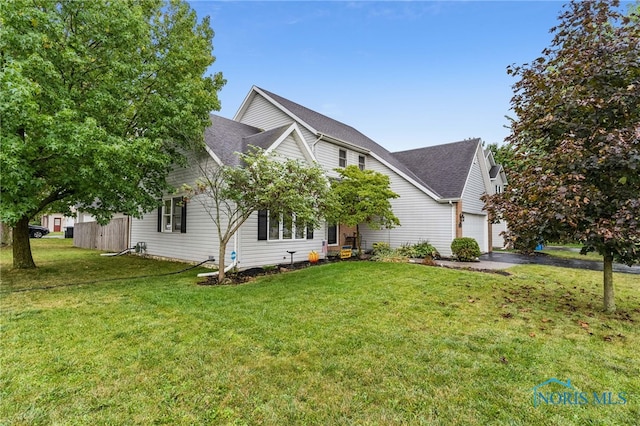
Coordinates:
<point>342,158</point>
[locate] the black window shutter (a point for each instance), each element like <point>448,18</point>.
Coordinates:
<point>160,218</point>
<point>309,233</point>
<point>183,219</point>
<point>262,225</point>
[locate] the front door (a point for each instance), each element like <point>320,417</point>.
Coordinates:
<point>57,224</point>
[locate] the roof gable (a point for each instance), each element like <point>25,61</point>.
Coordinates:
<point>224,138</point>
<point>446,167</point>
<point>333,130</point>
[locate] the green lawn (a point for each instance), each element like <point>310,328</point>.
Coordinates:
<point>553,250</point>
<point>346,343</point>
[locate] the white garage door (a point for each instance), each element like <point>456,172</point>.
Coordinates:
<point>496,238</point>
<point>475,226</point>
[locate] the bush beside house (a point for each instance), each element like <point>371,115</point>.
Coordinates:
<point>465,249</point>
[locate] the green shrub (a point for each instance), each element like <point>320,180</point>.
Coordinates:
<point>423,250</point>
<point>382,252</point>
<point>420,250</point>
<point>381,248</point>
<point>407,250</point>
<point>465,249</point>
<point>393,257</point>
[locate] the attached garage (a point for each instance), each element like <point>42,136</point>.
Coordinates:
<point>475,226</point>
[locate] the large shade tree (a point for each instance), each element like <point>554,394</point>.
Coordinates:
<point>576,140</point>
<point>263,182</point>
<point>98,100</point>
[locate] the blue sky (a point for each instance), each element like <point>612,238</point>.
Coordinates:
<point>406,74</point>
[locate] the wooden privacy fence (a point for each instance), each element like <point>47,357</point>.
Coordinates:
<point>111,237</point>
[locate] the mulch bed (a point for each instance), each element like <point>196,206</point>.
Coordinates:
<point>247,275</point>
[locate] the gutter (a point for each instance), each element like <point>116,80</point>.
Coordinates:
<point>343,143</point>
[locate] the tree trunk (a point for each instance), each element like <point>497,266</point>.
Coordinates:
<point>221,256</point>
<point>22,257</point>
<point>609,299</point>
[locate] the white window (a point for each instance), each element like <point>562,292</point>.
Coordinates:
<point>286,227</point>
<point>361,163</point>
<point>342,158</point>
<point>172,209</point>
<point>274,226</point>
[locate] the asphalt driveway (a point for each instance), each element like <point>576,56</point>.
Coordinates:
<point>503,258</point>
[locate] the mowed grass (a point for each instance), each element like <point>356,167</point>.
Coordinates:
<point>556,251</point>
<point>346,343</point>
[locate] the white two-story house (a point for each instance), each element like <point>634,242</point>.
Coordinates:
<point>439,187</point>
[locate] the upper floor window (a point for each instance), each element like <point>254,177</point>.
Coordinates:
<point>361,163</point>
<point>342,158</point>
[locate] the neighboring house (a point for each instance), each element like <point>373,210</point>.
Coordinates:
<point>56,222</point>
<point>428,210</point>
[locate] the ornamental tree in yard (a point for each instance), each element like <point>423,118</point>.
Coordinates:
<point>362,196</point>
<point>264,182</point>
<point>576,140</point>
<point>98,99</point>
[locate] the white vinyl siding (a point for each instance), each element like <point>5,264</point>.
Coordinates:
<point>421,218</point>
<point>473,190</point>
<point>290,149</point>
<point>197,244</point>
<point>328,155</point>
<point>264,115</point>
<point>475,225</point>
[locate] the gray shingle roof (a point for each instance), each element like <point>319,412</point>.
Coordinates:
<point>265,139</point>
<point>494,171</point>
<point>337,130</point>
<point>445,167</point>
<point>226,137</point>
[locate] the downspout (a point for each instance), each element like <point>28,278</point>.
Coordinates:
<point>454,220</point>
<point>313,145</point>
